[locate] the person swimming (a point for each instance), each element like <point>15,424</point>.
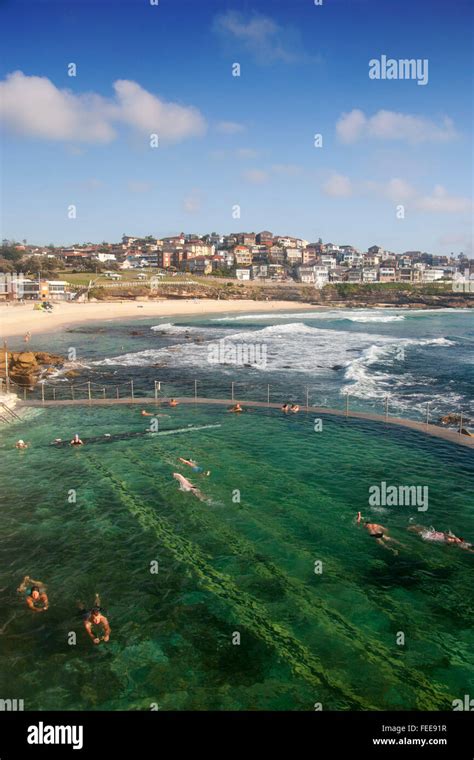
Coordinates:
<point>194,465</point>
<point>442,537</point>
<point>36,597</point>
<point>94,619</point>
<point>20,444</point>
<point>144,413</point>
<point>186,485</point>
<point>236,408</point>
<point>76,441</point>
<point>379,532</point>
<point>285,408</point>
<point>294,408</point>
<point>173,402</point>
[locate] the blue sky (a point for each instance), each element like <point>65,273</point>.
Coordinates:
<point>395,167</point>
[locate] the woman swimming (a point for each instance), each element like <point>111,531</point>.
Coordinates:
<point>36,597</point>
<point>194,465</point>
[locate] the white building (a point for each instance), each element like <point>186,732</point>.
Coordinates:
<point>432,275</point>
<point>242,274</point>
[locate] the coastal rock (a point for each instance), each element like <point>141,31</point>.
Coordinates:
<point>25,367</point>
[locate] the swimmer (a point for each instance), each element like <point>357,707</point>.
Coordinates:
<point>20,444</point>
<point>27,337</point>
<point>379,532</point>
<point>94,619</point>
<point>236,408</point>
<point>57,440</point>
<point>144,413</point>
<point>294,408</point>
<point>173,402</point>
<point>194,466</point>
<point>76,441</point>
<point>285,408</point>
<point>442,537</point>
<point>36,597</point>
<point>186,485</point>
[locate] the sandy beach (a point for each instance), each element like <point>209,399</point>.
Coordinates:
<point>17,319</point>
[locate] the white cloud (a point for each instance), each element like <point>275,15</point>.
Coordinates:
<point>261,36</point>
<point>33,106</point>
<point>390,125</point>
<point>399,191</point>
<point>441,202</point>
<point>229,127</point>
<point>255,176</point>
<point>338,186</point>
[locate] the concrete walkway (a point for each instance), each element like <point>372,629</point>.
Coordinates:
<point>420,427</point>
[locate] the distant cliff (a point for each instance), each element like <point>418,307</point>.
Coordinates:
<point>343,294</point>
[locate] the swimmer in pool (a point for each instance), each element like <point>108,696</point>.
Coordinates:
<point>36,597</point>
<point>285,408</point>
<point>442,537</point>
<point>76,441</point>
<point>194,466</point>
<point>186,485</point>
<point>20,444</point>
<point>379,532</point>
<point>173,402</point>
<point>294,408</point>
<point>93,620</point>
<point>144,413</point>
<point>236,408</point>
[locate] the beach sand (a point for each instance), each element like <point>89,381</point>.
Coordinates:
<point>17,319</point>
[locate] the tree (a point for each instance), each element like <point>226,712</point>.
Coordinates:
<point>10,253</point>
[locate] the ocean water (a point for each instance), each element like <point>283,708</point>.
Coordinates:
<point>412,358</point>
<point>236,616</point>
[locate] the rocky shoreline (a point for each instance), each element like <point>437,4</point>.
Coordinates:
<point>25,368</point>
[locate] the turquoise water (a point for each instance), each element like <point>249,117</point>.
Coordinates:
<point>241,562</point>
<point>412,358</point>
<point>228,567</point>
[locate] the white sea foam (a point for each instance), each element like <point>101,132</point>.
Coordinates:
<point>355,315</point>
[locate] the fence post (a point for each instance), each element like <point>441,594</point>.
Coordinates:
<point>460,424</point>
<point>42,393</point>
<point>195,389</point>
<point>89,389</point>
<point>232,392</point>
<point>131,387</point>
<point>268,394</point>
<point>427,414</point>
<point>117,390</point>
<point>307,398</point>
<point>156,391</point>
<point>386,408</point>
<point>72,391</point>
<point>347,404</point>
<point>54,394</point>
